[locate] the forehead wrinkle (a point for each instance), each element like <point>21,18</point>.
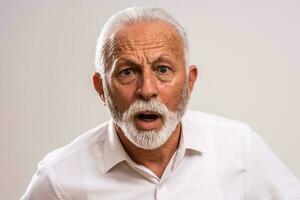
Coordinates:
<point>127,44</point>
<point>108,53</point>
<point>164,57</point>
<point>144,48</point>
<point>138,49</point>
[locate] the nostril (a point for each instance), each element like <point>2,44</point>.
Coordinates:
<point>146,97</point>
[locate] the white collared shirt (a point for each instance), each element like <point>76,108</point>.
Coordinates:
<point>217,159</point>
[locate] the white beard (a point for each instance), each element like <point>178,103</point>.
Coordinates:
<point>151,139</point>
<point>148,139</point>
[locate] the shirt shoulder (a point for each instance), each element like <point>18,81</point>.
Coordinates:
<point>240,150</point>
<point>214,133</point>
<point>217,126</point>
<point>82,143</point>
<point>62,164</point>
<point>212,120</point>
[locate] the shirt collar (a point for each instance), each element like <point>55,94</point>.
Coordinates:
<point>191,140</point>
<point>113,149</point>
<point>192,137</point>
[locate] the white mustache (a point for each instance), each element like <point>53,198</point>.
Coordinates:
<point>146,106</point>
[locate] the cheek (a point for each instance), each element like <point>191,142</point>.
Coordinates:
<point>170,95</point>
<point>122,96</point>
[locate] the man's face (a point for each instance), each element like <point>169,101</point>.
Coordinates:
<point>148,67</point>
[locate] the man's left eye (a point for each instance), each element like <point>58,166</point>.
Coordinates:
<point>163,69</point>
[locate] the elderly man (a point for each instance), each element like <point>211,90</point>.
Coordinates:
<point>152,148</point>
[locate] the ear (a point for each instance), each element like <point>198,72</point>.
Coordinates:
<point>97,80</point>
<point>193,74</point>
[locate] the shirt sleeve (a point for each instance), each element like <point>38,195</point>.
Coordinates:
<point>268,178</point>
<point>41,187</point>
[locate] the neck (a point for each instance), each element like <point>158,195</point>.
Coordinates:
<point>157,159</point>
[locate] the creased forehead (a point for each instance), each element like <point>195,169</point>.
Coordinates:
<point>154,36</point>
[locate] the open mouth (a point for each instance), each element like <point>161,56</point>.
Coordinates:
<point>148,116</point>
<point>148,120</point>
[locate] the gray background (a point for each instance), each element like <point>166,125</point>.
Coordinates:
<point>247,53</point>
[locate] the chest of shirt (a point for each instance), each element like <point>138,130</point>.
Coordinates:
<point>195,177</point>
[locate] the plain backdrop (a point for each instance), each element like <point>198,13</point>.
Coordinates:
<point>247,53</point>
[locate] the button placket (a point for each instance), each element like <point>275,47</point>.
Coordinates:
<point>161,192</point>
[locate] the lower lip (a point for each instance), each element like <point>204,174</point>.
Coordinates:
<point>148,125</point>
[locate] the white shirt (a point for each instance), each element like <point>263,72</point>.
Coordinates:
<point>217,159</point>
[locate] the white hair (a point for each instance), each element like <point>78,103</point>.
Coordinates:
<point>130,16</point>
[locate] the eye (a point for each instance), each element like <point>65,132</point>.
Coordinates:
<point>163,69</point>
<point>127,72</point>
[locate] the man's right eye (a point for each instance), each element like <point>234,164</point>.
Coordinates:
<point>127,72</point>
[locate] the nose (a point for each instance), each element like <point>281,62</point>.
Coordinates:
<point>147,87</point>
